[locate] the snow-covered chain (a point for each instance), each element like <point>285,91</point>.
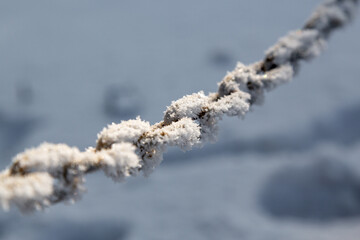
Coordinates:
<point>52,173</point>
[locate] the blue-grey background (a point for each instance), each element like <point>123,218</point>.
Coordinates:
<point>290,170</point>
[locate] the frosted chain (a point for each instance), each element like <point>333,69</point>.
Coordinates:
<point>52,173</point>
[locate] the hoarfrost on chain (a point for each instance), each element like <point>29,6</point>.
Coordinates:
<point>53,173</point>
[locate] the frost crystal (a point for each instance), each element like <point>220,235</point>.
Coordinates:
<point>30,192</point>
<point>126,131</point>
<point>189,106</point>
<point>120,161</point>
<point>45,158</point>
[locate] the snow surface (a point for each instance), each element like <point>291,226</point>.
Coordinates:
<point>60,58</point>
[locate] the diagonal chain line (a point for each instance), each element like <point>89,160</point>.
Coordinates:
<point>52,173</point>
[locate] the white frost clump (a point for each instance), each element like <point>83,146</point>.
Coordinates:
<point>197,107</point>
<point>65,165</point>
<point>184,133</point>
<point>247,79</point>
<point>126,131</point>
<point>120,161</point>
<point>235,104</point>
<point>28,193</point>
<point>45,158</point>
<point>189,106</point>
<point>304,44</point>
<point>206,111</point>
<point>332,14</point>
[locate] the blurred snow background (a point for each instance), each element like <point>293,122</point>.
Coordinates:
<point>290,170</point>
